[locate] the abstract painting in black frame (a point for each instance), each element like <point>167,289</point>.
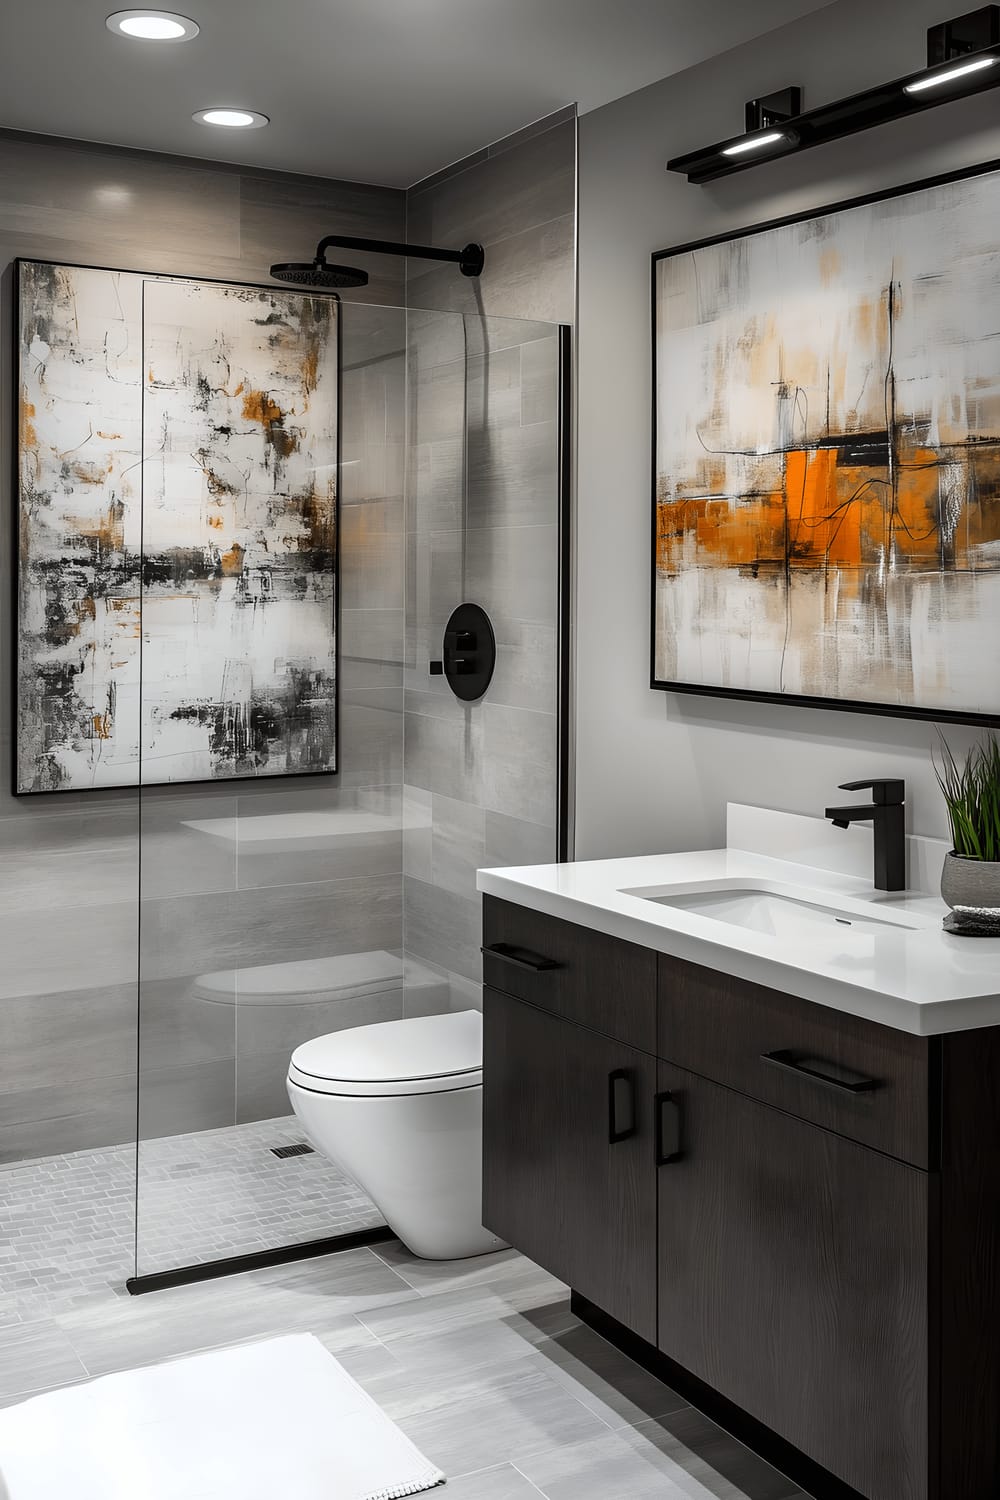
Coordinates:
<point>177,468</point>
<point>826,457</point>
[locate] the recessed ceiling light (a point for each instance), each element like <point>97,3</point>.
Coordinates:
<point>152,26</point>
<point>231,119</point>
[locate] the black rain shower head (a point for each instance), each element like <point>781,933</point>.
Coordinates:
<point>319,273</point>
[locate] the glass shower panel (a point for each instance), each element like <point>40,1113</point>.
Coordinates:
<point>272,903</point>
<point>484,527</point>
<point>277,908</point>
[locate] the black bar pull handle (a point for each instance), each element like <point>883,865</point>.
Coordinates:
<point>830,1075</point>
<point>520,958</point>
<point>668,1129</point>
<point>621,1106</point>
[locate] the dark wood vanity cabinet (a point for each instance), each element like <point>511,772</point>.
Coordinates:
<point>799,1208</point>
<point>792,1278</point>
<point>568,1119</point>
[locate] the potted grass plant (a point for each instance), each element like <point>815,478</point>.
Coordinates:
<point>970,881</point>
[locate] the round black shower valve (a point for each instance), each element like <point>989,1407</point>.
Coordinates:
<point>470,653</point>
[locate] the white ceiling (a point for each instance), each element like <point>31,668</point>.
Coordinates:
<point>383,91</point>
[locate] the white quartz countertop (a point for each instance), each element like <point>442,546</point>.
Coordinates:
<point>916,978</point>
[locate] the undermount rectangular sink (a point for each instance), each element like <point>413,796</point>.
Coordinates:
<point>772,913</point>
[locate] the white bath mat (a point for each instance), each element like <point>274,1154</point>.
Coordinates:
<point>277,1420</point>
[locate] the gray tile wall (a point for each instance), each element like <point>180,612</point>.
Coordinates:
<point>69,864</point>
<point>482,524</point>
<point>480,778</point>
<point>518,199</point>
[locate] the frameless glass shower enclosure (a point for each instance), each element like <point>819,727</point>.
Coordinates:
<point>295,881</point>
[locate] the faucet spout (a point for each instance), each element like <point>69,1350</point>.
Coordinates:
<point>843,817</point>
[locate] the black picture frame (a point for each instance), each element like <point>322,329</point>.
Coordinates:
<point>138,786</point>
<point>842,705</point>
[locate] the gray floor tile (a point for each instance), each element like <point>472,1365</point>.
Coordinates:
<point>507,1273</point>
<point>621,1392</point>
<point>502,1483</point>
<point>36,1356</point>
<point>463,1422</point>
<point>185,1319</point>
<point>481,1362</point>
<point>689,1441</point>
<point>680,1457</point>
<point>434,1315</point>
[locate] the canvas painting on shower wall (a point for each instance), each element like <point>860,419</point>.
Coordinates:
<point>827,457</point>
<point>178,531</point>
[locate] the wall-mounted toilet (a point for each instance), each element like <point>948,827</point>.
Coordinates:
<point>399,1107</point>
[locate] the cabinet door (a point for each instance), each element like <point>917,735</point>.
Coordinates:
<point>793,1278</point>
<point>568,1170</point>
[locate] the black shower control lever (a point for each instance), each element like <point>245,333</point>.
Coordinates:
<point>886,815</point>
<point>470,653</point>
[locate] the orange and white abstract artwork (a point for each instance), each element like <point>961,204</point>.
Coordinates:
<point>827,457</point>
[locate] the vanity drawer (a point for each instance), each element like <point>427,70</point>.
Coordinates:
<point>569,970</point>
<point>868,1082</point>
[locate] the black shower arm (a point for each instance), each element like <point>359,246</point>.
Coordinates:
<point>471,258</point>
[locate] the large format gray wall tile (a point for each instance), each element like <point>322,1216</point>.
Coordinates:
<point>89,1112</point>
<point>513,571</point>
<point>443,928</point>
<point>500,196</point>
<point>511,841</point>
<point>191,935</point>
<point>513,474</point>
<point>529,275</point>
<point>445,755</point>
<point>482,516</point>
<point>59,1039</point>
<point>519,203</point>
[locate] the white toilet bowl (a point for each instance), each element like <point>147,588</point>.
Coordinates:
<point>399,1107</point>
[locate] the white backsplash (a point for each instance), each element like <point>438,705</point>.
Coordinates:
<point>815,842</point>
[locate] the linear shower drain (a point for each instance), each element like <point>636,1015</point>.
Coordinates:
<point>301,1149</point>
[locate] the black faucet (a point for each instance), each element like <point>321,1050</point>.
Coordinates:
<point>886,814</point>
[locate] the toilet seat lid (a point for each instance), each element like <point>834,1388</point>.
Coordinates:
<point>420,1055</point>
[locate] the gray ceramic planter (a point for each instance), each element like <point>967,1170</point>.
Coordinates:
<point>971,887</point>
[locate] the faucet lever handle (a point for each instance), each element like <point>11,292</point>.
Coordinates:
<point>886,791</point>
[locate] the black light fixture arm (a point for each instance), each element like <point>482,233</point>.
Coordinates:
<point>470,259</point>
<point>963,58</point>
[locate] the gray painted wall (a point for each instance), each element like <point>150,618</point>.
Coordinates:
<point>69,866</point>
<point>654,770</point>
<point>482,523</point>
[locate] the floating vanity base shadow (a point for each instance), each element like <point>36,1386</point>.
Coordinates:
<point>792,1462</point>
<point>158,1281</point>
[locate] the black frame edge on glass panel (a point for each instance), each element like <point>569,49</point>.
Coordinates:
<point>211,1270</point>
<point>160,786</point>
<point>565,626</point>
<point>842,705</point>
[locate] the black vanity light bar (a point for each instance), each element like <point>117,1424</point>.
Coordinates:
<point>955,79</point>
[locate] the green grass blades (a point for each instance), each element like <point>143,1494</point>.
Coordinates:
<point>972,795</point>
